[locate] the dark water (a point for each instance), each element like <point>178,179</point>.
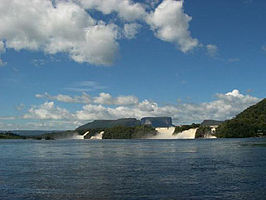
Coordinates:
<point>133,169</point>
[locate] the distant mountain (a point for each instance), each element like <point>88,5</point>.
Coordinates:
<point>249,123</point>
<point>157,121</point>
<point>101,124</point>
<point>211,123</point>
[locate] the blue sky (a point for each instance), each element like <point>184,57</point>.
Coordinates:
<point>191,61</point>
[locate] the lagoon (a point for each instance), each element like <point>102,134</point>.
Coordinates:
<point>133,169</point>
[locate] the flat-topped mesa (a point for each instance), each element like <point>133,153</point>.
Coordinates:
<point>211,123</point>
<point>157,121</point>
<point>101,124</point>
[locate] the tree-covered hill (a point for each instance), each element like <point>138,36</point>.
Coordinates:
<point>101,124</point>
<point>249,123</point>
<point>121,132</point>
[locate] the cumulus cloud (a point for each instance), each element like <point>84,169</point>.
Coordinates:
<point>107,99</point>
<point>66,27</point>
<point>47,111</point>
<point>130,30</point>
<point>103,98</point>
<point>84,98</point>
<point>69,27</point>
<point>2,50</point>
<point>2,47</point>
<point>212,50</point>
<point>225,106</point>
<point>171,24</point>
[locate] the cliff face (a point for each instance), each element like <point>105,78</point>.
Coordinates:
<point>157,121</point>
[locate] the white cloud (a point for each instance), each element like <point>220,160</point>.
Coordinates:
<point>130,30</point>
<point>171,24</point>
<point>7,117</point>
<point>84,98</point>
<point>212,50</point>
<point>68,28</point>
<point>107,99</point>
<point>263,48</point>
<point>103,98</point>
<point>126,9</point>
<point>225,106</point>
<point>2,47</point>
<point>2,50</point>
<point>47,111</point>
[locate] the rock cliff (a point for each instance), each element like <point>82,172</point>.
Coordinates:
<point>157,121</point>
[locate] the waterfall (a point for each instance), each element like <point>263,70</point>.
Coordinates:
<point>167,133</point>
<point>98,136</point>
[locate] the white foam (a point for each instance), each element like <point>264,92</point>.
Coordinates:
<point>98,136</point>
<point>167,133</point>
<point>188,134</point>
<point>80,137</point>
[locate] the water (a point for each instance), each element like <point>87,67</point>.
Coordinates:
<point>133,169</point>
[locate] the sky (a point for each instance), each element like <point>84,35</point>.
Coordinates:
<point>64,63</point>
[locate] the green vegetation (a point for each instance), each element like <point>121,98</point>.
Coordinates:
<point>202,131</point>
<point>9,135</point>
<point>250,123</point>
<point>101,124</point>
<point>182,128</point>
<point>122,132</point>
<point>55,135</point>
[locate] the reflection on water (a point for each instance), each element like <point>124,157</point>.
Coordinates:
<point>133,169</point>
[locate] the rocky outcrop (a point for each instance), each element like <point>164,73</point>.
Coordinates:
<point>157,121</point>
